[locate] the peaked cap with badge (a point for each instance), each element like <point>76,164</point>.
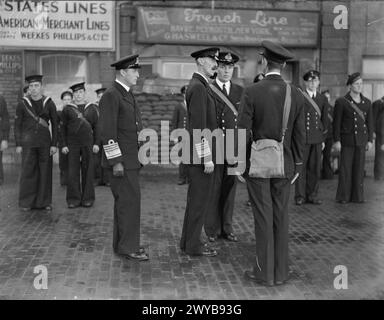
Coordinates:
<point>128,62</point>
<point>275,52</point>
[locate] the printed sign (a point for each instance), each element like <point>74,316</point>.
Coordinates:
<point>85,25</point>
<point>227,27</point>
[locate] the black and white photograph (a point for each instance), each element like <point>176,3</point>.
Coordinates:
<point>209,153</point>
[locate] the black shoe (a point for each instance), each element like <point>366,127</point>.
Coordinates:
<point>315,201</point>
<point>139,256</point>
<point>48,208</point>
<point>25,209</point>
<point>342,201</point>
<point>212,238</point>
<point>73,206</point>
<point>299,201</point>
<point>280,283</point>
<point>181,182</point>
<point>87,204</point>
<point>207,252</point>
<point>248,274</point>
<point>230,237</point>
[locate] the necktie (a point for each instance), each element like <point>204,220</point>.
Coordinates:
<point>225,89</point>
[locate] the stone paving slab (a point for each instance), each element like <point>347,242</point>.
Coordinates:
<point>76,248</point>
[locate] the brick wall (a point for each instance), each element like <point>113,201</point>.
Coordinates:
<point>334,51</point>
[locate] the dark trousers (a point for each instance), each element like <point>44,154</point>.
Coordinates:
<point>183,172</point>
<point>378,170</point>
<point>307,186</point>
<point>327,171</point>
<point>126,221</point>
<point>269,198</point>
<point>351,175</point>
<point>198,198</point>
<point>218,220</point>
<point>101,174</point>
<point>1,168</point>
<point>63,166</point>
<point>80,187</point>
<point>36,178</point>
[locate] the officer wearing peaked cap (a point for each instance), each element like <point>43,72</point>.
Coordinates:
<point>120,125</point>
<point>101,175</point>
<point>261,110</point>
<point>37,145</point>
<point>179,121</point>
<point>81,142</point>
<point>201,115</point>
<point>316,124</point>
<point>353,135</point>
<point>218,222</point>
<point>4,133</point>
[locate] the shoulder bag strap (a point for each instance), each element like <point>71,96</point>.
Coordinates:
<point>287,110</point>
<point>356,108</point>
<point>224,98</point>
<point>312,102</point>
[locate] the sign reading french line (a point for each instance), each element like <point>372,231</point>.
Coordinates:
<point>85,25</point>
<point>227,27</point>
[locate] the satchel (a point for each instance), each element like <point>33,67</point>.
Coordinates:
<point>267,155</point>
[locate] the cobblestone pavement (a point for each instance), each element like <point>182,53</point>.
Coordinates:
<point>76,248</point>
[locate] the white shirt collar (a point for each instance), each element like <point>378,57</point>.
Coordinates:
<point>206,79</point>
<point>311,93</point>
<point>123,85</point>
<point>227,85</point>
<point>273,73</point>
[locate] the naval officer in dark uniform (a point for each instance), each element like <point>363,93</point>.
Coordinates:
<point>37,145</point>
<point>353,135</point>
<point>179,121</point>
<point>327,167</point>
<point>316,123</point>
<point>81,139</point>
<point>4,134</point>
<point>201,115</point>
<point>101,175</point>
<point>261,111</point>
<point>66,98</point>
<point>218,222</point>
<point>378,116</point>
<point>120,125</point>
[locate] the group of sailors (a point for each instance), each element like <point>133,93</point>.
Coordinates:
<point>106,133</point>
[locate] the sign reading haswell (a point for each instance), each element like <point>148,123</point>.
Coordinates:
<point>223,27</point>
<point>78,25</point>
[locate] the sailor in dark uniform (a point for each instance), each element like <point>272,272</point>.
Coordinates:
<point>316,115</point>
<point>37,146</point>
<point>378,116</point>
<point>66,98</point>
<point>201,115</point>
<point>4,134</point>
<point>101,175</point>
<point>353,135</point>
<point>179,121</point>
<point>327,167</point>
<point>261,110</point>
<point>81,141</point>
<point>218,222</point>
<point>120,124</point>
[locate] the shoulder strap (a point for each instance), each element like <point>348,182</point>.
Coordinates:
<point>312,102</point>
<point>224,98</point>
<point>39,120</point>
<point>287,110</point>
<point>356,108</point>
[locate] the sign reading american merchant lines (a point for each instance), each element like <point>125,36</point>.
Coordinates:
<point>220,26</point>
<point>85,25</point>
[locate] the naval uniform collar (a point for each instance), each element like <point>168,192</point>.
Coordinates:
<point>312,94</point>
<point>123,85</point>
<point>273,73</point>
<point>204,77</point>
<point>221,84</point>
